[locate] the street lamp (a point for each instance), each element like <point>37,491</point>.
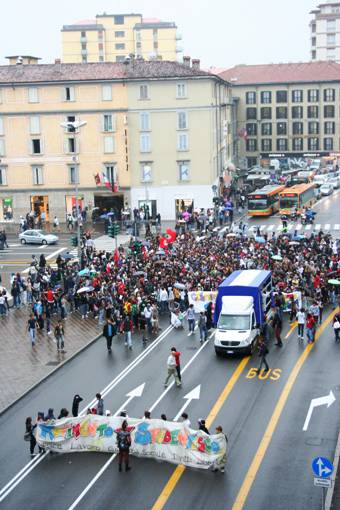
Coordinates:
<point>73,127</point>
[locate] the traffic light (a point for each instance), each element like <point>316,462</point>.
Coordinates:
<point>110,231</point>
<point>116,229</point>
<point>74,241</point>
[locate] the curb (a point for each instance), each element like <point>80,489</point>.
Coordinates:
<point>43,379</point>
<point>330,491</point>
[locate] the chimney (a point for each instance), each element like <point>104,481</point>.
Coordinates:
<point>57,61</point>
<point>196,63</point>
<point>186,61</point>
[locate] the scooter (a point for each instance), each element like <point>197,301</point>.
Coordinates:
<point>305,220</point>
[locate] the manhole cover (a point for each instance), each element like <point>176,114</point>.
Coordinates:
<point>52,363</point>
<point>314,441</point>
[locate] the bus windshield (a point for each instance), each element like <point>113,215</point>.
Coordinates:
<point>288,202</point>
<point>257,203</point>
<point>235,322</point>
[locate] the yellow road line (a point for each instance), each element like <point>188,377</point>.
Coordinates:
<point>273,422</point>
<point>293,326</point>
<point>176,475</point>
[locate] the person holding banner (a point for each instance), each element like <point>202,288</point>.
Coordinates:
<point>123,443</point>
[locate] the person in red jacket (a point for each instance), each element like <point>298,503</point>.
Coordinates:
<point>310,328</point>
<point>178,362</point>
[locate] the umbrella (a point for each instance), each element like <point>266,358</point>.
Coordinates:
<point>293,243</point>
<point>260,240</point>
<point>179,286</point>
<point>68,256</point>
<point>334,282</point>
<point>139,273</point>
<point>110,213</point>
<point>232,234</point>
<point>103,216</point>
<point>160,252</point>
<point>276,257</point>
<point>85,289</point>
<point>83,272</point>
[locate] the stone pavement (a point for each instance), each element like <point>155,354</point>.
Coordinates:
<point>21,366</point>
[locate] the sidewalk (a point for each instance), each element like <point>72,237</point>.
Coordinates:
<point>21,366</point>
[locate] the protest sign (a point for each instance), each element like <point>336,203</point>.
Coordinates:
<point>201,298</point>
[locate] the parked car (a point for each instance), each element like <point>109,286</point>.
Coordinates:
<point>319,180</point>
<point>37,237</point>
<point>334,181</point>
<point>326,189</point>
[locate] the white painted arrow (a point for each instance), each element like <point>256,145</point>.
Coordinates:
<point>192,395</point>
<point>316,402</point>
<point>137,392</point>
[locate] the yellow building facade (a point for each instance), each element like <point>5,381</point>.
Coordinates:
<point>153,132</point>
<point>111,38</point>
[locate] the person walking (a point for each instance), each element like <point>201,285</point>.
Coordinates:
<point>100,404</point>
<point>202,426</point>
<point>59,336</point>
<point>123,443</point>
<point>191,319</point>
<point>202,326</point>
<point>56,224</point>
<point>301,319</point>
<point>32,328</point>
<point>75,404</point>
<point>178,361</point>
<point>108,333</point>
<point>277,325</point>
<point>172,371</point>
<point>263,351</point>
<point>29,434</point>
<point>127,327</point>
<point>310,328</point>
<point>336,329</point>
<point>222,462</point>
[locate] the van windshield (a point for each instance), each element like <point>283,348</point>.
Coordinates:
<point>236,322</point>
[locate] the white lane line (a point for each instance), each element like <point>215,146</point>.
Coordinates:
<point>111,459</point>
<point>317,226</point>
<point>51,255</point>
<point>308,227</point>
<point>327,226</point>
<point>298,227</point>
<point>28,468</point>
<point>270,227</point>
<point>336,226</point>
<point>14,245</point>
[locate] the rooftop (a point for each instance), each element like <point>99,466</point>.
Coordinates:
<point>303,72</point>
<point>155,24</point>
<point>42,73</point>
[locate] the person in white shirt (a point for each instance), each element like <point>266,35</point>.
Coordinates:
<point>163,298</point>
<point>185,420</point>
<point>301,319</point>
<point>171,364</point>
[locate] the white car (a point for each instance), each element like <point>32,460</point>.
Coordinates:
<point>334,181</point>
<point>37,237</point>
<point>326,189</point>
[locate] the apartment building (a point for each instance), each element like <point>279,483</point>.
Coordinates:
<point>111,37</point>
<point>325,32</point>
<point>286,110</point>
<point>151,132</point>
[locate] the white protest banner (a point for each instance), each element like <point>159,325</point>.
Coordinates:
<point>201,298</point>
<point>158,439</point>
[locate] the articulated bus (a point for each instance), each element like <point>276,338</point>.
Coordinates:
<point>297,197</point>
<point>264,201</point>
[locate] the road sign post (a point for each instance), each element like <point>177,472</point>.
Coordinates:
<point>322,469</point>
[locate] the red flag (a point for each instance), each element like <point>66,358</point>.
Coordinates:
<point>97,179</point>
<point>116,256</point>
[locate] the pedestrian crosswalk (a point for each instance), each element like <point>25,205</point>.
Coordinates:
<point>292,227</point>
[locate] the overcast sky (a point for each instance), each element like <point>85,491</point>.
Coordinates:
<point>220,32</point>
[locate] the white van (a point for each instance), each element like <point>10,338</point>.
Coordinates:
<point>319,180</point>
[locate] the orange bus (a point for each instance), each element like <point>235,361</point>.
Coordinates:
<point>296,198</point>
<point>264,201</point>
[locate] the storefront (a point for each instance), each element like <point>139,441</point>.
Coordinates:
<point>110,202</point>
<point>148,205</point>
<point>184,204</point>
<point>39,204</point>
<point>6,209</point>
<point>70,203</point>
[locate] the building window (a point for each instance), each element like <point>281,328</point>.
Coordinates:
<point>251,145</point>
<point>118,20</point>
<point>144,121</point>
<point>251,113</point>
<point>281,144</point>
<point>145,143</point>
<point>330,39</point>
<point>313,41</point>
<point>110,172</point>
<point>3,176</point>
<point>266,112</point>
<point>329,95</point>
<point>251,129</point>
<point>266,97</point>
<point>266,129</point>
<point>37,175</point>
<point>36,146</point>
<point>281,128</point>
<point>1,94</point>
<point>107,92</point>
<point>328,111</point>
<point>313,144</point>
<point>146,171</point>
<point>182,142</point>
<point>1,126</point>
<point>313,112</point>
<point>330,25</point>
<point>33,96</point>
<point>183,171</point>
<point>108,123</point>
<point>120,58</point>
<point>329,128</point>
<point>101,58</point>
<point>297,128</point>
<point>69,94</point>
<point>266,145</point>
<point>71,128</point>
<point>71,145</point>
<point>328,144</point>
<point>72,174</point>
<point>313,28</point>
<point>297,112</point>
<point>313,55</point>
<point>281,112</point>
<point>250,97</point>
<point>2,147</point>
<point>100,35</point>
<point>182,120</point>
<point>143,92</point>
<point>120,33</point>
<point>84,59</point>
<point>313,128</point>
<point>120,46</point>
<point>297,96</point>
<point>313,95</point>
<point>83,47</point>
<point>297,144</point>
<point>181,90</point>
<point>281,96</point>
<point>34,125</point>
<point>109,144</point>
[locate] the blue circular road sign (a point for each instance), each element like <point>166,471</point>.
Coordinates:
<point>322,467</point>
